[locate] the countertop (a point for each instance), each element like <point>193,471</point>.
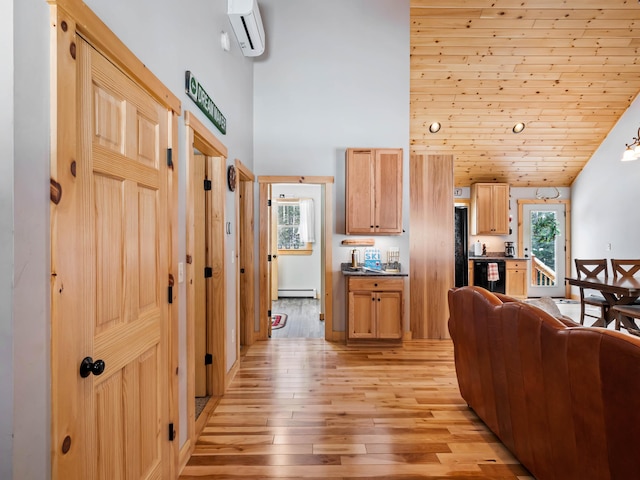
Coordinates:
<point>349,272</point>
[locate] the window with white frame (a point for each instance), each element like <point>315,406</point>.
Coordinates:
<point>289,238</point>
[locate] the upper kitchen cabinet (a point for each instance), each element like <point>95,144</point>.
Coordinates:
<point>374,191</point>
<point>490,209</point>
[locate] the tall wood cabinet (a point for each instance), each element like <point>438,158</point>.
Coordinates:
<point>373,191</point>
<point>490,209</point>
<point>374,308</point>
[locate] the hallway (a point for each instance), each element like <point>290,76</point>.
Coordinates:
<point>306,408</point>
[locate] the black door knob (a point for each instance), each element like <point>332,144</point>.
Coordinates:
<point>88,366</point>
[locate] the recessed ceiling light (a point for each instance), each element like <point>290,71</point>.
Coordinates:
<point>518,127</point>
<point>435,127</point>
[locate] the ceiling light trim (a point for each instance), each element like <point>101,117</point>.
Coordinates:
<point>518,127</point>
<point>435,127</point>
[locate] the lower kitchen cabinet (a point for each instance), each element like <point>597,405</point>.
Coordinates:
<point>516,283</point>
<point>374,308</point>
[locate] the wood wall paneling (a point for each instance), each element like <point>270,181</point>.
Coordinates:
<point>431,244</point>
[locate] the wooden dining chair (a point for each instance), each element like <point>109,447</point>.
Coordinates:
<point>591,268</point>
<point>625,268</point>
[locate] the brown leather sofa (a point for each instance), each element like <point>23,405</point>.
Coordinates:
<point>565,400</point>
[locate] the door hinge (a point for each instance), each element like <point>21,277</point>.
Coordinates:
<point>268,258</point>
<point>170,158</point>
<point>207,185</point>
<point>208,272</point>
<point>268,203</point>
<point>170,289</point>
<point>269,313</point>
<point>208,359</point>
<point>172,432</point>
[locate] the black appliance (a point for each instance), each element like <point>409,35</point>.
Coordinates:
<point>461,248</point>
<point>480,277</point>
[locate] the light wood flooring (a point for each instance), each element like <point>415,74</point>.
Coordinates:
<point>303,318</point>
<point>307,408</point>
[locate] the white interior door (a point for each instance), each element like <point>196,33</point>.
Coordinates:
<point>544,242</point>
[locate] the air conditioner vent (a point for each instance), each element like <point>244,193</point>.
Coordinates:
<point>246,22</point>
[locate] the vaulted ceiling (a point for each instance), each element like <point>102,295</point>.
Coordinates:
<point>567,69</point>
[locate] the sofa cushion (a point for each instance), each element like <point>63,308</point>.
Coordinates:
<point>547,304</point>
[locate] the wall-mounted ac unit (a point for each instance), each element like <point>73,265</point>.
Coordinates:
<point>247,25</point>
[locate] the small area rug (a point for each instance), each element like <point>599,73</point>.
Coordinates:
<point>278,320</point>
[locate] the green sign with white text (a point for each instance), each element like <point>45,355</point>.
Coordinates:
<point>198,94</point>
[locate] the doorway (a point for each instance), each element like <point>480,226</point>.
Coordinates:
<point>543,239</point>
<point>296,261</point>
<point>204,272</point>
<point>268,251</point>
<point>245,274</point>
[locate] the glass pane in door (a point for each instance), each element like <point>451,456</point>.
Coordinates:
<point>544,237</point>
<point>544,231</point>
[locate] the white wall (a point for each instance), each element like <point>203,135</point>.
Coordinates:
<point>6,239</point>
<point>302,271</point>
<point>31,353</point>
<point>605,197</point>
<point>335,74</point>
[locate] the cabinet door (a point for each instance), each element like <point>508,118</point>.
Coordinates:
<point>388,203</point>
<point>490,209</point>
<point>500,203</point>
<point>360,192</point>
<point>389,314</point>
<point>361,315</point>
<point>483,210</point>
<point>516,281</point>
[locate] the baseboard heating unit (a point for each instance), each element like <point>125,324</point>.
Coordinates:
<point>297,292</point>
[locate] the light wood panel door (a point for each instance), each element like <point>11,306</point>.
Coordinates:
<point>273,249</point>
<point>245,274</point>
<point>114,424</point>
<point>199,281</point>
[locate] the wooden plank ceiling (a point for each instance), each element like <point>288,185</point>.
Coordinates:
<point>566,68</point>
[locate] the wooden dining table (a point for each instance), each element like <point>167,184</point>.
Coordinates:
<point>615,290</point>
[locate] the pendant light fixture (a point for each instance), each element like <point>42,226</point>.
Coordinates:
<point>633,149</point>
